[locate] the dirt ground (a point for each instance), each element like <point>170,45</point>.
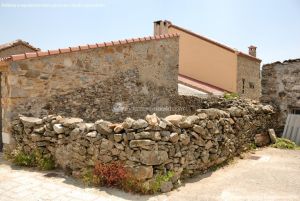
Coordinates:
<point>269,174</point>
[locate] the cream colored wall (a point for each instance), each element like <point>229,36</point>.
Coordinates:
<point>206,62</point>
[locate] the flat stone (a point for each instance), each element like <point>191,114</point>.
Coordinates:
<point>30,122</point>
<point>127,123</point>
<point>118,128</point>
<point>35,137</point>
<point>106,144</point>
<point>118,137</point>
<point>184,139</point>
<point>174,119</point>
<point>166,186</point>
<point>209,145</point>
<point>70,121</point>
<point>262,140</point>
<point>39,130</point>
<point>141,172</point>
<point>103,127</point>
<point>140,123</point>
<point>189,121</point>
<point>145,144</point>
<point>153,157</point>
<point>174,137</point>
<point>199,129</point>
<point>58,128</point>
<point>152,119</point>
<point>272,135</point>
<point>202,116</point>
<point>92,134</point>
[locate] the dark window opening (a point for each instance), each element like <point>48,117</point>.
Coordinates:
<point>243,88</point>
<point>295,111</point>
<point>251,85</point>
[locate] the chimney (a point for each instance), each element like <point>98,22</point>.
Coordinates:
<point>252,50</point>
<point>161,27</point>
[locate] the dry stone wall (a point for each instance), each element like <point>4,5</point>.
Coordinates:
<point>92,83</point>
<point>185,145</point>
<point>281,88</point>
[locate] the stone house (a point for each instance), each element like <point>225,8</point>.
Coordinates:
<point>16,47</point>
<point>281,88</point>
<point>110,80</point>
<point>214,64</point>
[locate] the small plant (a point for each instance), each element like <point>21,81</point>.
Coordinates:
<point>34,159</point>
<point>230,96</point>
<point>111,174</point>
<point>89,178</point>
<point>283,143</point>
<point>20,158</point>
<point>154,187</point>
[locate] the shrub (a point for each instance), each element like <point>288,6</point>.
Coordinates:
<point>22,159</point>
<point>154,186</point>
<point>89,178</point>
<point>283,143</point>
<point>230,96</point>
<point>34,159</point>
<point>111,174</point>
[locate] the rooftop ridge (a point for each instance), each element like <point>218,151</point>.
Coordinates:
<point>85,47</point>
<point>17,42</point>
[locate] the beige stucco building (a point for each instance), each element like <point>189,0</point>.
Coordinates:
<point>210,62</point>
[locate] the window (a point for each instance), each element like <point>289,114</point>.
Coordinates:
<point>295,110</point>
<point>251,85</point>
<point>243,88</point>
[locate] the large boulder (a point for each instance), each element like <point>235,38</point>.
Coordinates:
<point>262,140</point>
<point>141,172</point>
<point>153,157</point>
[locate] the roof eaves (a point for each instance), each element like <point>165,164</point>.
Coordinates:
<point>85,47</point>
<point>213,42</point>
<point>17,42</point>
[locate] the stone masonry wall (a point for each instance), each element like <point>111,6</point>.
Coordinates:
<point>281,87</point>
<point>185,145</point>
<point>93,83</point>
<point>17,49</point>
<point>249,71</point>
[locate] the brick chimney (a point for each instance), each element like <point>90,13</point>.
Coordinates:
<point>161,27</point>
<point>252,50</point>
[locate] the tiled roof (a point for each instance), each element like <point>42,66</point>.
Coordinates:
<point>212,41</point>
<point>85,47</point>
<point>17,42</point>
<point>202,86</point>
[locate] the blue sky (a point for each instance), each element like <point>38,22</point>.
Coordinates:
<point>272,25</point>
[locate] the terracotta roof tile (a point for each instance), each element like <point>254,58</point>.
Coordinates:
<point>84,47</point>
<point>18,42</point>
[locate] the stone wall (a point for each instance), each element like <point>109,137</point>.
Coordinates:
<point>248,78</point>
<point>281,87</point>
<point>185,145</point>
<point>93,83</point>
<point>16,49</point>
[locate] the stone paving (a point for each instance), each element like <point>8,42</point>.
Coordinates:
<point>268,175</point>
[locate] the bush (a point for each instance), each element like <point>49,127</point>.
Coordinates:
<point>89,178</point>
<point>283,143</point>
<point>230,96</point>
<point>111,174</point>
<point>34,159</point>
